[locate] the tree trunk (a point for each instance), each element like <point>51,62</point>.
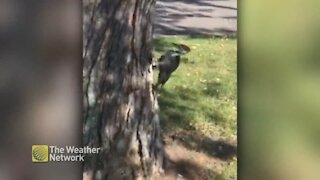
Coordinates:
<point>120,108</point>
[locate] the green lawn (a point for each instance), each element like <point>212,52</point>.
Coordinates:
<point>201,94</point>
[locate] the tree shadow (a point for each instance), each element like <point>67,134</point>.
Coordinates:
<point>175,105</point>
<point>194,32</point>
<point>181,163</point>
<point>180,17</point>
<point>175,112</point>
<point>185,169</point>
<point>180,107</point>
<point>206,3</point>
<point>199,142</point>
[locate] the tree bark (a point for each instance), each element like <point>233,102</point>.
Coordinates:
<point>120,109</point>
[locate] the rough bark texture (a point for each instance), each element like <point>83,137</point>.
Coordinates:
<point>120,109</point>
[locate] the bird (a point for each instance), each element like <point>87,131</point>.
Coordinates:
<point>169,62</point>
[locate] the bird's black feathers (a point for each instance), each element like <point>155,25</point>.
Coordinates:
<point>169,62</point>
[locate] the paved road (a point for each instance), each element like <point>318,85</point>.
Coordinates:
<point>196,17</point>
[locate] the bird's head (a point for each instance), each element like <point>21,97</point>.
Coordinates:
<point>182,49</point>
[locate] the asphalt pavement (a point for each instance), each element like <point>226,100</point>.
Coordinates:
<point>196,17</point>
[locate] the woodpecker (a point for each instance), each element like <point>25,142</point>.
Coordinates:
<point>169,62</point>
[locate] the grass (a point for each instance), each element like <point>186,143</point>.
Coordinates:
<point>201,94</point>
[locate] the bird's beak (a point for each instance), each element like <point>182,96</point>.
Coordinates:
<point>176,54</point>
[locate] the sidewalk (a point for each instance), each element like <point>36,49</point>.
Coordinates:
<point>196,17</point>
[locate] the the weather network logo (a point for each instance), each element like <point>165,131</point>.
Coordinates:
<point>47,153</point>
<point>40,153</point>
